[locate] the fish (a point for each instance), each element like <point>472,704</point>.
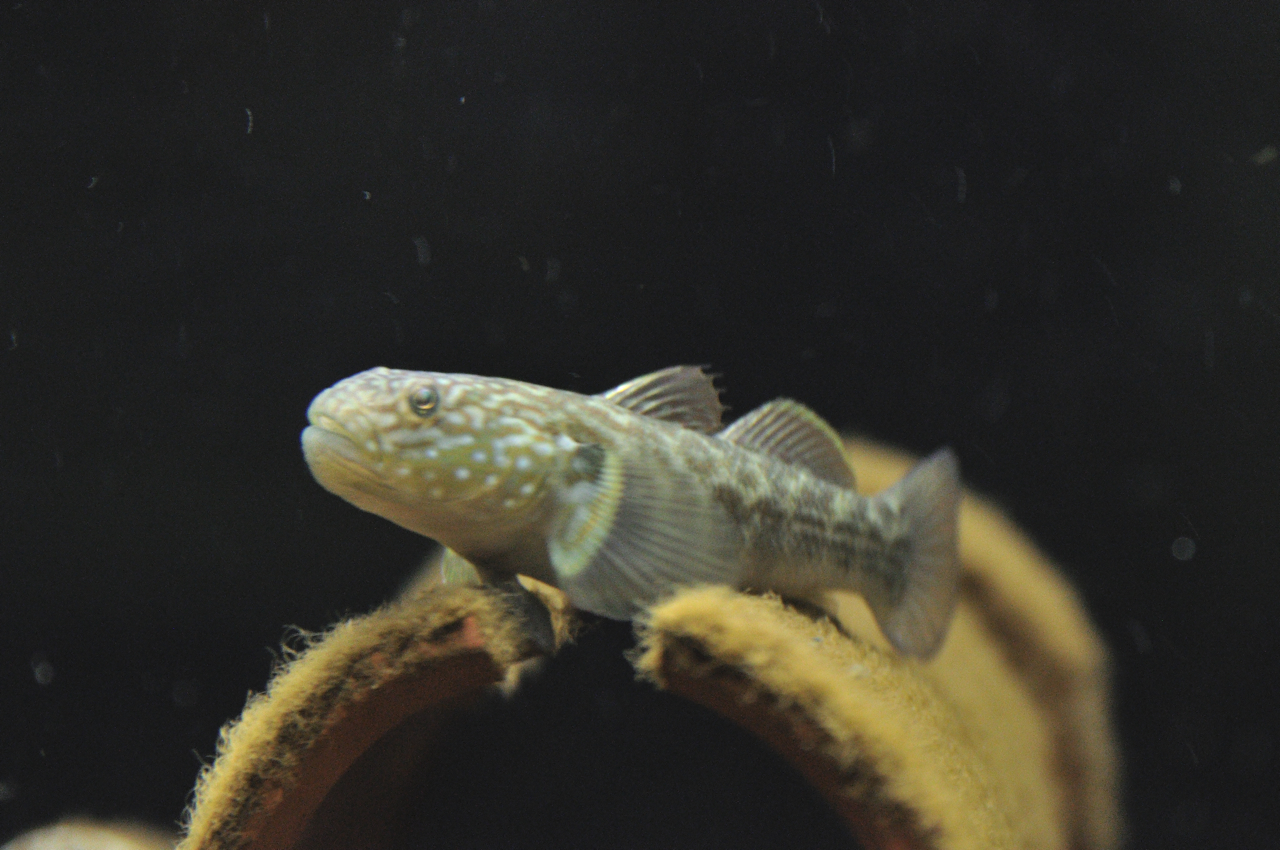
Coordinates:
<point>619,499</point>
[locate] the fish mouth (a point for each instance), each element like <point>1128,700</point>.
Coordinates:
<point>345,468</point>
<point>339,463</point>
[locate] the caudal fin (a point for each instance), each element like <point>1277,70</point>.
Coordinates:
<point>928,499</point>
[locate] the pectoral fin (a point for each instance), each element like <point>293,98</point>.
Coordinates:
<point>635,534</point>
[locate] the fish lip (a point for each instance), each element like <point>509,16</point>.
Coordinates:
<point>325,436</point>
<point>339,464</point>
<point>333,456</point>
<point>328,447</point>
<point>329,424</point>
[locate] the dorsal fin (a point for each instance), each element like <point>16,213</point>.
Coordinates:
<point>685,395</point>
<point>792,433</point>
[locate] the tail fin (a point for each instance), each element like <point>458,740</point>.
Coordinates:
<point>928,499</point>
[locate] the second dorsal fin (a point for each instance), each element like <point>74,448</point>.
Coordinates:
<point>685,395</point>
<point>790,432</point>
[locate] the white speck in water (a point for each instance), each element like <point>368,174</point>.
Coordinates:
<point>1141,640</point>
<point>13,338</point>
<point>490,480</point>
<point>403,472</point>
<point>462,473</point>
<point>1174,185</point>
<point>1184,549</point>
<point>478,456</point>
<point>42,669</point>
<point>523,462</point>
<point>462,99</point>
<point>249,120</point>
<point>423,247</point>
<point>1265,156</point>
<point>526,489</point>
<point>93,181</point>
<point>437,492</point>
<point>185,693</point>
<point>367,195</point>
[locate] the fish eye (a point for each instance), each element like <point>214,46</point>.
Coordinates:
<point>424,400</point>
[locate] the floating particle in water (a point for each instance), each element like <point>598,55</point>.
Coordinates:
<point>185,693</point>
<point>1184,549</point>
<point>42,669</point>
<point>1141,640</point>
<point>423,247</point>
<point>1174,185</point>
<point>1266,156</point>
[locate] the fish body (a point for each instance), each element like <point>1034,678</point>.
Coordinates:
<point>622,497</point>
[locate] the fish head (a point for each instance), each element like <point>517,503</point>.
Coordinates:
<point>439,454</point>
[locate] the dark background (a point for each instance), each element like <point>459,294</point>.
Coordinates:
<point>1044,233</point>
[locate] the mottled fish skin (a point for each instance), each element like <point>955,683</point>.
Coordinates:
<point>618,508</point>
